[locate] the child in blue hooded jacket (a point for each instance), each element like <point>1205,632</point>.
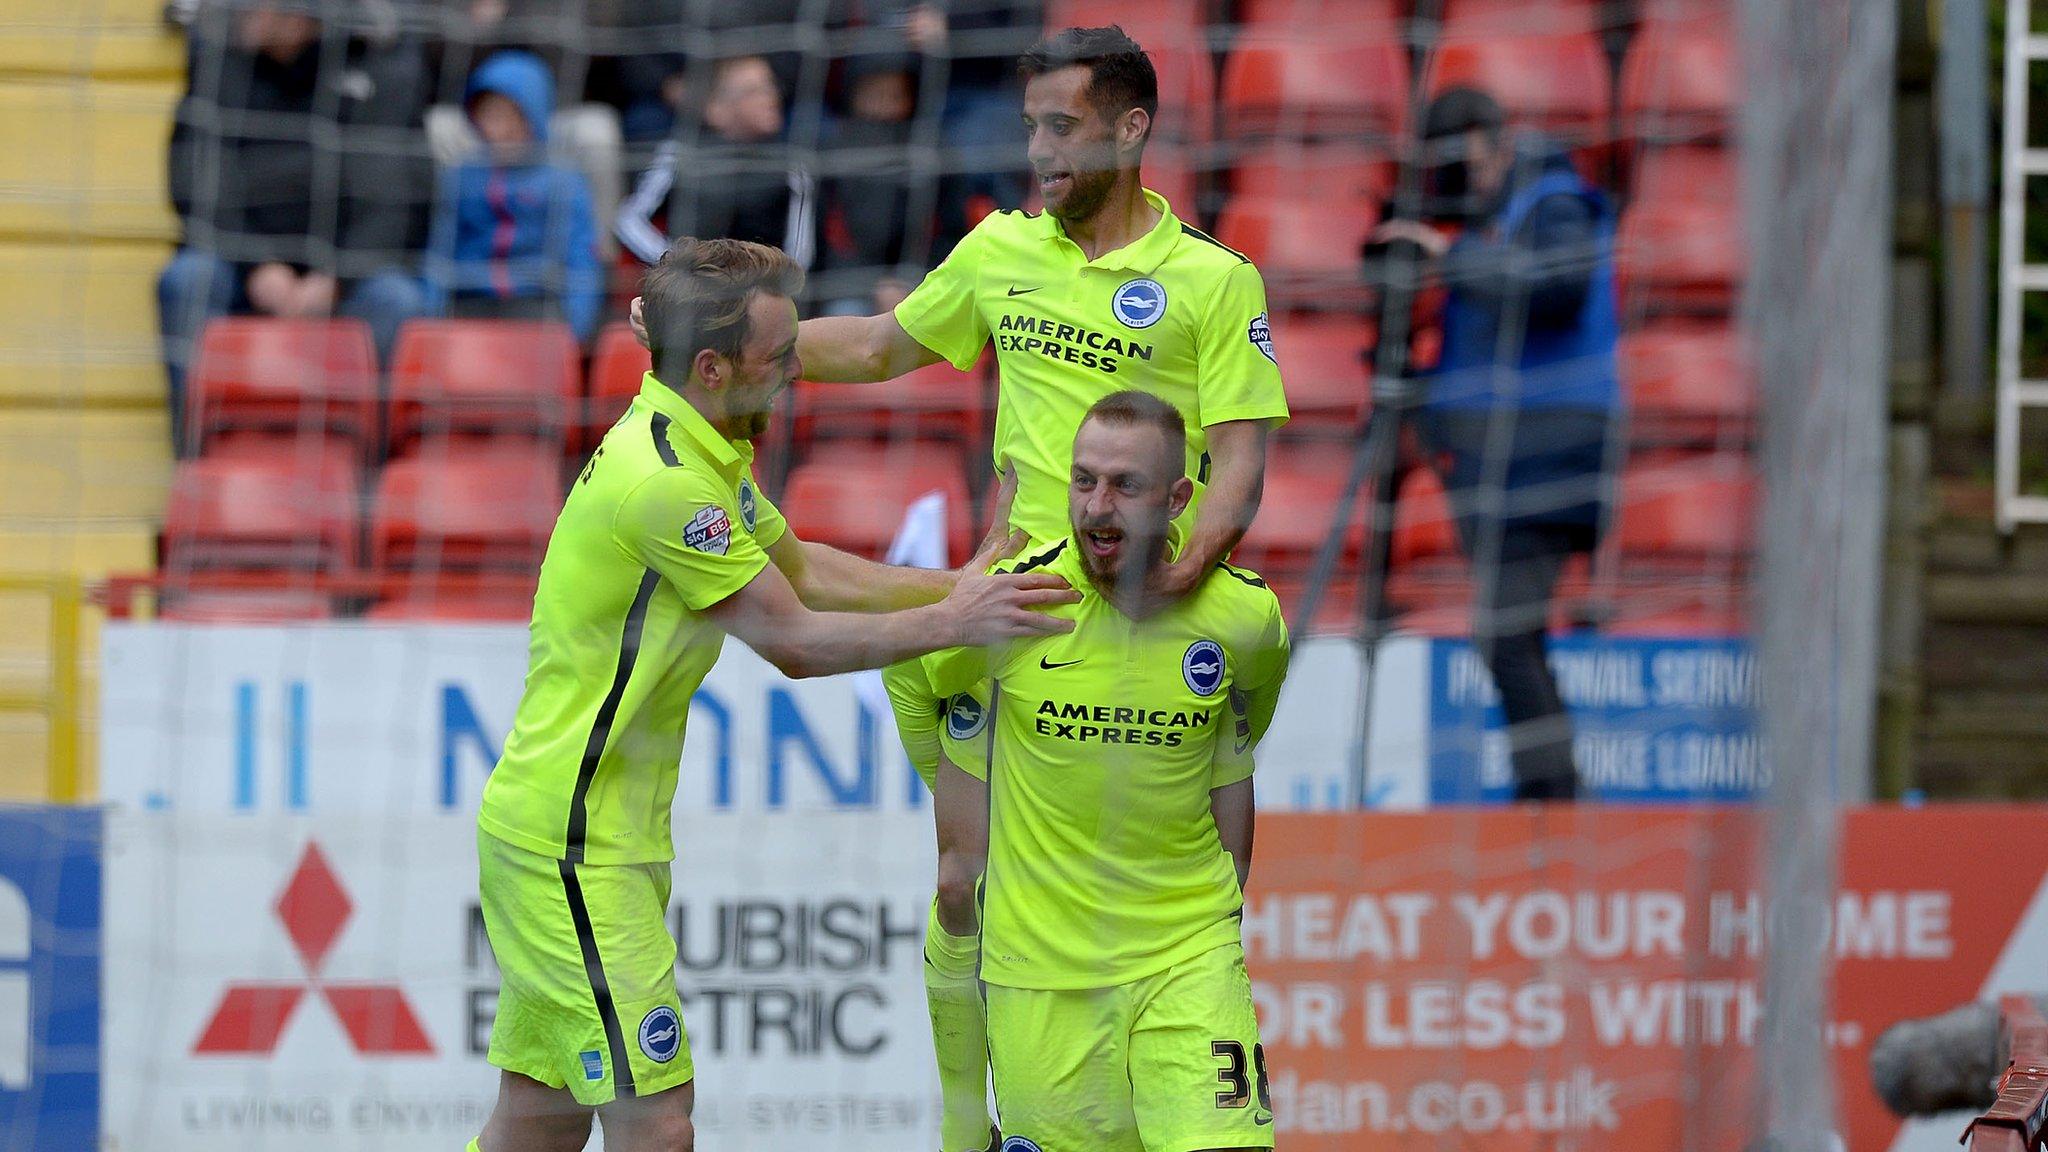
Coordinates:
<point>515,235</point>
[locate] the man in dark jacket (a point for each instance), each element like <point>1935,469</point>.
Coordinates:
<point>1520,406</point>
<point>299,170</point>
<point>515,236</point>
<point>733,175</point>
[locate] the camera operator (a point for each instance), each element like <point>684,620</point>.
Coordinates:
<point>1517,412</point>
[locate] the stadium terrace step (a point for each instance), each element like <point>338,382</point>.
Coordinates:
<point>105,38</point>
<point>78,324</point>
<point>72,159</point>
<point>80,469</point>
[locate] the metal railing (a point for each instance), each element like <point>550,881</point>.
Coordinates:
<point>57,699</point>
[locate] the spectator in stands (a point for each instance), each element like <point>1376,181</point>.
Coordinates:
<point>679,39</point>
<point>299,170</point>
<point>972,47</point>
<point>870,259</point>
<point>1521,404</point>
<point>514,235</point>
<point>732,176</point>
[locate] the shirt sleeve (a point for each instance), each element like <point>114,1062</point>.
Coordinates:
<point>1254,693</point>
<point>688,529</point>
<point>1236,374</point>
<point>941,313</point>
<point>934,724</point>
<point>769,525</point>
<point>968,728</point>
<point>917,715</point>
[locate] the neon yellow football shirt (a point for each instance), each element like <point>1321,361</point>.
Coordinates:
<point>1101,748</point>
<point>663,523</point>
<point>1173,313</point>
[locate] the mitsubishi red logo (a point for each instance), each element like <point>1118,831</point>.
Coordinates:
<point>251,1017</point>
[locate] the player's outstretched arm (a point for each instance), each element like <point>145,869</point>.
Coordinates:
<point>828,580</point>
<point>842,349</point>
<point>981,609</point>
<point>1235,813</point>
<point>858,349</point>
<point>1237,476</point>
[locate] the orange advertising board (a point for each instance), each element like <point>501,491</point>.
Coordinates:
<point>1592,977</point>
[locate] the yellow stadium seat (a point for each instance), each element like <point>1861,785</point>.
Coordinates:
<point>78,323</point>
<point>89,38</point>
<point>82,469</point>
<point>85,159</point>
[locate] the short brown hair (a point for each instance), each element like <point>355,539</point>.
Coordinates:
<point>1132,408</point>
<point>1120,74</point>
<point>697,298</point>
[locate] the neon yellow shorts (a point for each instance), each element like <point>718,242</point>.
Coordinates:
<point>1170,1063</point>
<point>587,996</point>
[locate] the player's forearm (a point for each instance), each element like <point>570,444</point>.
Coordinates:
<point>1235,814</point>
<point>1230,501</point>
<point>829,643</point>
<point>836,581</point>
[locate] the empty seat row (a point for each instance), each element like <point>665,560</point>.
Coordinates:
<point>1321,68</point>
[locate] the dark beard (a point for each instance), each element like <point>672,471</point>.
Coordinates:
<point>1091,192</point>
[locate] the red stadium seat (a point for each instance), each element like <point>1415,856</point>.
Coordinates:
<point>1170,171</point>
<point>1677,172</point>
<point>1328,383</point>
<point>1682,610</point>
<point>853,496</point>
<point>1686,514</point>
<point>1512,18</point>
<point>1339,15</point>
<point>1423,524</point>
<point>1687,384</point>
<point>1172,33</point>
<point>1303,248</point>
<point>305,377</point>
<point>221,607</point>
<point>616,369</point>
<point>499,377</point>
<point>264,504</point>
<point>1679,80</point>
<point>1336,173</point>
<point>453,604</point>
<point>1680,255</point>
<point>936,402</point>
<point>1294,81</point>
<point>1295,511</point>
<point>1554,81</point>
<point>467,507</point>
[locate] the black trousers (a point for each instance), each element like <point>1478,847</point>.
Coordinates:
<point>1546,507</point>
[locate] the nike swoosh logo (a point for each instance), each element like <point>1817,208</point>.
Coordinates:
<point>1049,665</point>
<point>1262,1119</point>
<point>1016,291</point>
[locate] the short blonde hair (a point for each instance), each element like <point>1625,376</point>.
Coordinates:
<point>697,298</point>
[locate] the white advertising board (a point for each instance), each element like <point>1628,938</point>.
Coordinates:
<point>323,984</point>
<point>397,720</point>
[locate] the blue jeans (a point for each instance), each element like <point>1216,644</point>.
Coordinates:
<point>197,287</point>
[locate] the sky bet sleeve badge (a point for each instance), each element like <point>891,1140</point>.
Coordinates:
<point>710,530</point>
<point>1260,333</point>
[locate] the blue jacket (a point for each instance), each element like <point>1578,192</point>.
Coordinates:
<point>1544,260</point>
<point>524,229</point>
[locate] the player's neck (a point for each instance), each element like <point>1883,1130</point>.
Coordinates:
<point>1130,596</point>
<point>706,402</point>
<point>1124,217</point>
